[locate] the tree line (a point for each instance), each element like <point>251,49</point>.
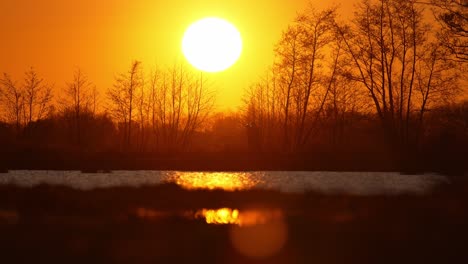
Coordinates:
<point>159,111</point>
<point>387,62</point>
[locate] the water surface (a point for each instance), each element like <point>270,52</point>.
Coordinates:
<point>362,183</point>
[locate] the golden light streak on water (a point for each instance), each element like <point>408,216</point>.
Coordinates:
<point>219,216</point>
<point>238,217</point>
<point>214,180</point>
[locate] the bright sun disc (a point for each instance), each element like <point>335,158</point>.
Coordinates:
<point>212,44</point>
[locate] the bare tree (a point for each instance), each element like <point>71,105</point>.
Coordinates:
<point>287,51</point>
<point>78,99</point>
<point>345,102</point>
<point>295,94</point>
<point>318,34</point>
<point>183,102</point>
<point>171,106</point>
<point>452,15</point>
<point>388,43</point>
<point>123,96</point>
<point>142,101</point>
<point>155,87</point>
<point>95,100</point>
<point>199,103</point>
<point>37,96</point>
<point>12,100</point>
<point>436,82</point>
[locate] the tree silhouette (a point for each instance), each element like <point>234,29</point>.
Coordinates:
<point>37,97</point>
<point>453,16</point>
<point>12,101</point>
<point>399,65</point>
<point>122,98</point>
<point>181,102</point>
<point>25,103</point>
<point>294,94</point>
<point>79,99</point>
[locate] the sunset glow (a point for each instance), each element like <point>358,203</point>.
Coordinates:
<point>103,39</point>
<point>238,131</point>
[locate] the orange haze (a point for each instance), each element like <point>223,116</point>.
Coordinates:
<point>103,37</point>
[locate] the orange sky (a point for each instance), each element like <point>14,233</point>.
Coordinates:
<point>103,37</point>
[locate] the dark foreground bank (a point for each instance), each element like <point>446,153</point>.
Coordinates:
<point>37,159</point>
<point>159,224</point>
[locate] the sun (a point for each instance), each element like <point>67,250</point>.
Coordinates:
<point>212,44</point>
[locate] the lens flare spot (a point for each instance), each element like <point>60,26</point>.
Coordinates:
<point>259,241</point>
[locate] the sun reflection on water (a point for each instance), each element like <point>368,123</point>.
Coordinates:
<point>228,181</point>
<point>236,217</point>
